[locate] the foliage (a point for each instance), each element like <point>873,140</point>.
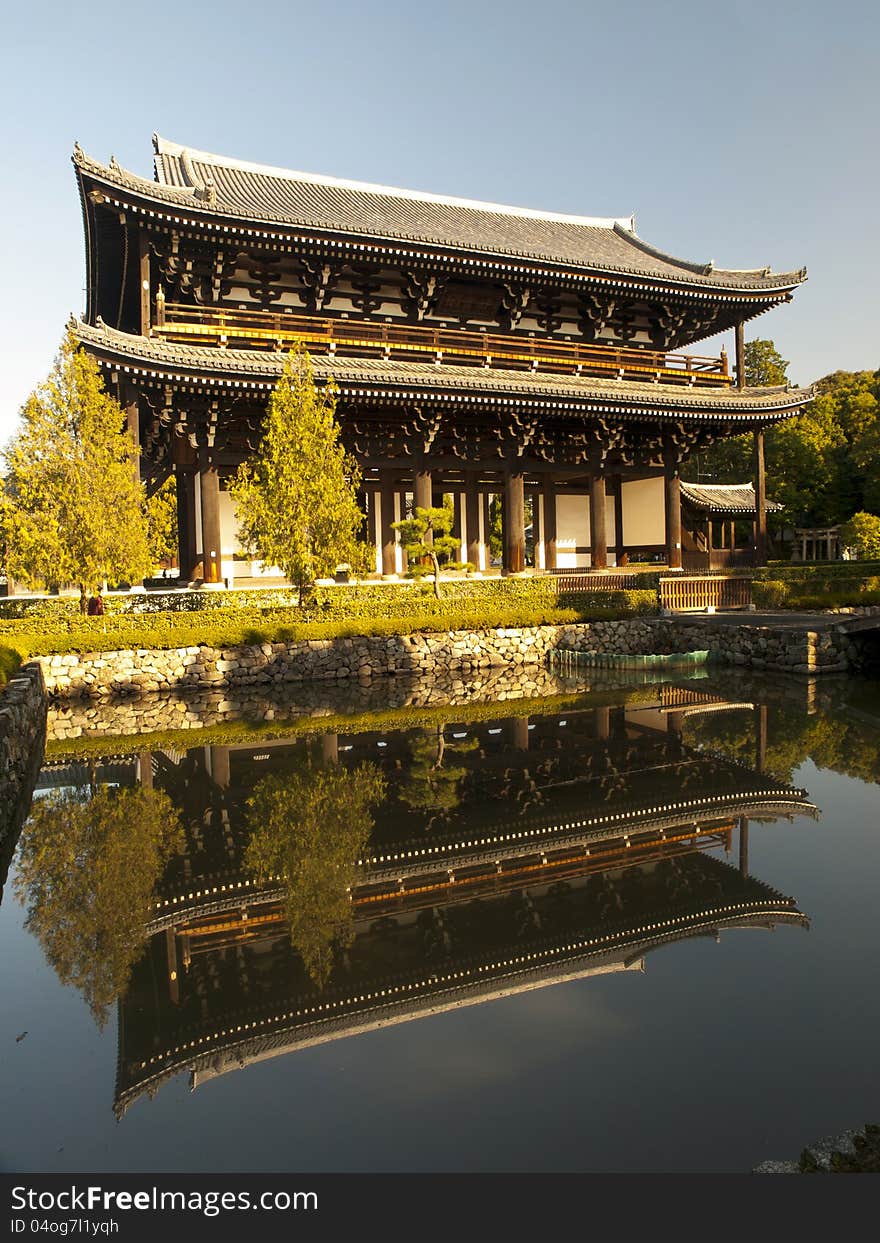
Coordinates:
<point>162,523</point>
<point>311,828</point>
<point>73,508</point>
<point>433,783</point>
<point>824,465</point>
<point>296,498</point>
<point>765,366</point>
<point>496,528</point>
<point>862,532</point>
<point>10,662</point>
<point>87,870</point>
<point>428,533</point>
<point>339,612</point>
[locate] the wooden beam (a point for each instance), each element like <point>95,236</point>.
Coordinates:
<point>672,494</point>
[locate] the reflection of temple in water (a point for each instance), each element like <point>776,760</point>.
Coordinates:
<point>573,845</point>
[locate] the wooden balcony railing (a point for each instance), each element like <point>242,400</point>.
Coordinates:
<point>351,337</point>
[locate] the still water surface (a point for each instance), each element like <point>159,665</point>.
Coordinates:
<point>632,928</point>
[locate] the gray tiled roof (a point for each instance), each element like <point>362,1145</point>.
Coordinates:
<point>732,498</point>
<point>377,373</point>
<point>227,188</point>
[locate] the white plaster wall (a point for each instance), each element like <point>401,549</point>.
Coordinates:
<point>572,529</point>
<point>644,516</point>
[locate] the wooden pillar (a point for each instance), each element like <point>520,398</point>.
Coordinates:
<point>740,357</point>
<point>520,733</point>
<point>549,491</point>
<point>171,959</point>
<point>185,480</point>
<point>513,523</point>
<point>598,526</point>
<point>220,765</point>
<point>672,492</point>
<point>329,750</point>
<point>744,845</point>
<point>145,769</point>
<point>133,428</point>
<point>386,517</point>
<point>472,520</point>
<point>760,737</point>
<point>760,500</point>
<point>209,490</point>
<point>618,520</point>
<point>602,723</point>
<point>537,527</point>
<point>144,258</point>
<point>422,493</point>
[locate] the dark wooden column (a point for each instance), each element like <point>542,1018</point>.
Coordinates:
<point>329,750</point>
<point>760,500</point>
<point>760,737</point>
<point>520,733</point>
<point>672,492</point>
<point>744,845</point>
<point>187,557</point>
<point>386,517</point>
<point>145,769</point>
<point>472,520</point>
<point>209,490</point>
<point>549,492</point>
<point>598,525</point>
<point>740,357</point>
<point>513,523</point>
<point>602,723</point>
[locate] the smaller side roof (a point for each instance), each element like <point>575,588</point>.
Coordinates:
<point>724,498</point>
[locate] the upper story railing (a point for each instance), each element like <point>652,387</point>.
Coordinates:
<point>352,337</point>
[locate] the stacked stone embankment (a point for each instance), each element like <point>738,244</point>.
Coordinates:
<point>23,705</point>
<point>102,674</point>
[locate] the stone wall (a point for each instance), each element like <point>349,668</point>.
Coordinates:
<point>103,674</point>
<point>196,710</point>
<point>22,740</point>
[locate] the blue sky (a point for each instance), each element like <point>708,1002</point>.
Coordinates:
<point>745,133</point>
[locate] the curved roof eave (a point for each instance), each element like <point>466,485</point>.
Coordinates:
<point>205,206</point>
<point>260,369</point>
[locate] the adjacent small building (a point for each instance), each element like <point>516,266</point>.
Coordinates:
<point>480,351</point>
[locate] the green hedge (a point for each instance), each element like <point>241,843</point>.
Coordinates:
<point>10,662</point>
<point>172,631</point>
<point>226,619</point>
<point>816,593</point>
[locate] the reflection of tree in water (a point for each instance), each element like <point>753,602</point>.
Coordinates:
<point>87,871</point>
<point>310,828</point>
<point>847,746</point>
<point>433,779</point>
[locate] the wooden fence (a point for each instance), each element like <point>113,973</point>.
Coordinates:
<point>688,592</point>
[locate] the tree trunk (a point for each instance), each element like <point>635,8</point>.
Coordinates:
<point>436,564</point>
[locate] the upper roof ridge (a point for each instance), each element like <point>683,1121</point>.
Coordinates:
<point>165,147</point>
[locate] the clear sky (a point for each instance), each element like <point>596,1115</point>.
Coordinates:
<point>744,132</point>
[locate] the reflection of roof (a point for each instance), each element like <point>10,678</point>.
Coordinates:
<point>217,186</point>
<point>390,379</point>
<point>729,498</point>
<point>494,948</point>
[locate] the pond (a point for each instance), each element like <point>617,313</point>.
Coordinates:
<point>623,925</point>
